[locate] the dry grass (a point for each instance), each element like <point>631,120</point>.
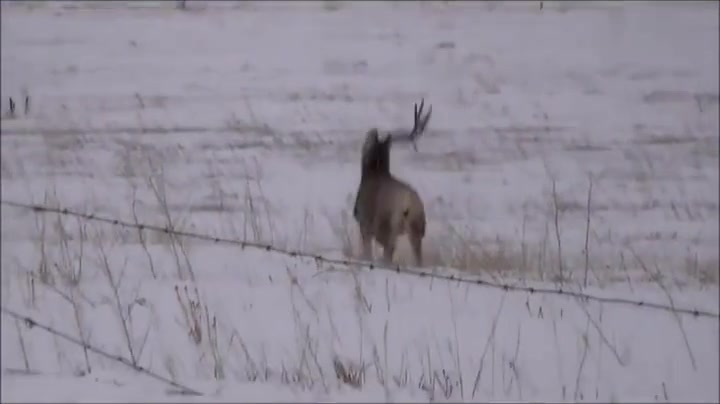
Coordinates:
<point>73,261</point>
<point>71,254</point>
<point>244,212</point>
<point>220,349</point>
<point>449,245</point>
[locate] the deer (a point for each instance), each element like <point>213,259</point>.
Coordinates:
<point>385,206</point>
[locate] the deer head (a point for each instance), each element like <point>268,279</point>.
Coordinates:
<point>376,150</point>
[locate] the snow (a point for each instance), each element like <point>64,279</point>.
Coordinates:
<point>245,120</point>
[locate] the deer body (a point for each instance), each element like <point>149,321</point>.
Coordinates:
<point>385,206</point>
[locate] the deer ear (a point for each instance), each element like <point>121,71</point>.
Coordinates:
<point>384,137</point>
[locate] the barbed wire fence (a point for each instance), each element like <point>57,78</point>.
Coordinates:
<point>435,274</point>
<point>30,323</point>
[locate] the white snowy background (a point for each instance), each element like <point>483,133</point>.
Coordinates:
<point>244,120</point>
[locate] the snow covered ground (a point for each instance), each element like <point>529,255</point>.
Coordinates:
<point>244,120</point>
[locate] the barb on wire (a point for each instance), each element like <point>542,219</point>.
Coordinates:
<point>118,358</point>
<point>364,264</point>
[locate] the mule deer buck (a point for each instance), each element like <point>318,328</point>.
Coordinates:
<point>386,207</point>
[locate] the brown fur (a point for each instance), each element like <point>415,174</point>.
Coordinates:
<point>386,207</point>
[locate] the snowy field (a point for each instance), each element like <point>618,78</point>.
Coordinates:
<point>575,141</point>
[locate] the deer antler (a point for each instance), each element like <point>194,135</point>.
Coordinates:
<point>419,124</point>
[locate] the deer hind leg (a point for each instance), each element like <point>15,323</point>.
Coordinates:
<point>389,250</point>
<point>416,244</point>
<point>387,237</point>
<point>416,235</point>
<point>366,241</point>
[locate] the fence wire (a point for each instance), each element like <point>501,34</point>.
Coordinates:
<point>695,312</point>
<point>30,323</point>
